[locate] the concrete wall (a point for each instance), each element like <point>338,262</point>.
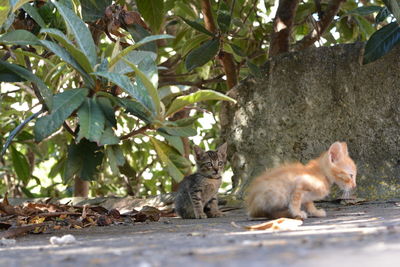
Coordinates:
<point>309,99</point>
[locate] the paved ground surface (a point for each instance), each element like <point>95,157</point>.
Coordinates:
<point>367,234</point>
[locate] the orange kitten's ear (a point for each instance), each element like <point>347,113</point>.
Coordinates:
<point>222,151</point>
<point>335,152</point>
<point>344,148</point>
<point>198,152</point>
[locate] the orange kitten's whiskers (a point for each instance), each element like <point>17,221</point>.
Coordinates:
<point>346,194</point>
<point>283,191</point>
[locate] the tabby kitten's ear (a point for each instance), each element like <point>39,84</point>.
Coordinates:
<point>198,152</point>
<point>222,151</point>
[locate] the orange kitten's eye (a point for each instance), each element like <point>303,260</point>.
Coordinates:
<point>351,176</point>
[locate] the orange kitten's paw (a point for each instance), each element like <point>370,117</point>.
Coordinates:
<point>301,215</point>
<point>319,213</point>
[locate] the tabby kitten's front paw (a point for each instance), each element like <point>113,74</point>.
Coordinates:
<point>319,213</point>
<point>201,216</point>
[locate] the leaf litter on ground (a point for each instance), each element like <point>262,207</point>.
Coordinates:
<point>50,216</point>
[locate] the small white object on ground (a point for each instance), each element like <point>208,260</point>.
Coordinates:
<point>7,242</point>
<point>65,239</point>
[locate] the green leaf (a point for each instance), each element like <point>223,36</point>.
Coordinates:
<point>108,110</point>
<point>17,130</point>
<point>365,10</point>
<point>16,4</point>
<point>64,104</point>
<point>108,137</point>
<point>237,50</point>
<point>182,127</point>
<point>254,69</point>
<point>153,12</point>
<point>115,158</point>
<point>74,161</point>
<point>382,15</point>
<point>175,141</point>
<point>171,158</point>
<point>138,33</point>
<point>4,10</point>
<point>32,11</point>
<point>183,8</point>
<point>79,30</point>
<point>145,40</point>
<point>77,54</point>
<point>125,84</point>
<point>19,37</point>
<point>197,26</point>
<point>36,56</point>
<point>151,89</point>
<point>91,121</point>
<point>381,42</point>
<point>93,10</point>
<point>83,160</point>
<point>137,109</point>
<point>136,57</point>
<point>64,55</point>
<point>194,42</point>
<point>20,165</point>
<point>184,131</point>
<point>202,95</point>
<point>201,55</point>
<point>9,76</point>
<point>224,18</point>
<point>394,8</point>
<point>365,26</point>
<point>27,75</point>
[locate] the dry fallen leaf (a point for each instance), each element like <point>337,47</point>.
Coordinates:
<point>352,201</point>
<point>282,224</point>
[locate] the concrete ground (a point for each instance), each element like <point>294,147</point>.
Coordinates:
<point>367,234</point>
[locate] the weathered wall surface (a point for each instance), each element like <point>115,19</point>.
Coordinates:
<point>309,99</point>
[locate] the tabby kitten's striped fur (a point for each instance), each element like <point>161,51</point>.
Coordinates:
<point>197,194</point>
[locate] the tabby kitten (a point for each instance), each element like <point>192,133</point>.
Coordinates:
<point>197,194</point>
<point>282,191</point>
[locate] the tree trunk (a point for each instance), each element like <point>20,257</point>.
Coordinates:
<point>283,24</point>
<point>81,188</point>
<point>309,99</point>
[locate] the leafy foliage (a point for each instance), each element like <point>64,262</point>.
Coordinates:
<point>383,40</point>
<point>116,90</point>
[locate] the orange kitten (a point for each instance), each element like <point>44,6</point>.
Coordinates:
<point>280,192</point>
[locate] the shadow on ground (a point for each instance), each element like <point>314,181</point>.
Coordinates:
<point>367,234</point>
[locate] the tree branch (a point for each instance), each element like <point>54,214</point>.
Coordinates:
<point>199,84</point>
<point>229,66</point>
<point>35,88</point>
<point>283,24</point>
<point>225,58</point>
<point>321,26</point>
<point>136,132</point>
<point>68,128</point>
<point>208,17</point>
